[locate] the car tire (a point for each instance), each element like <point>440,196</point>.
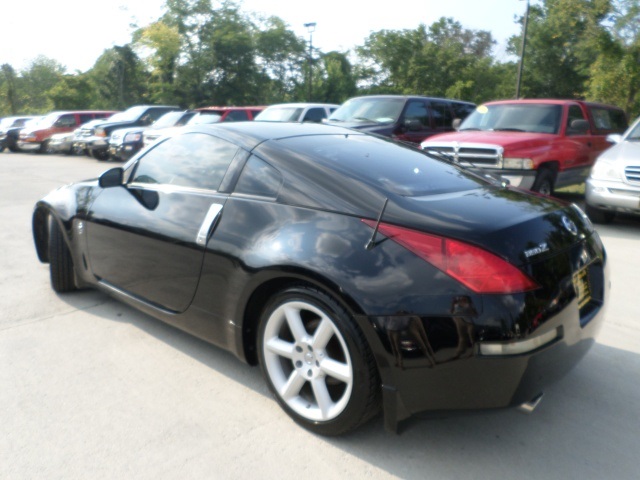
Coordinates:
<point>44,147</point>
<point>599,216</point>
<point>100,155</point>
<point>14,148</point>
<point>60,260</point>
<point>316,362</point>
<point>544,182</point>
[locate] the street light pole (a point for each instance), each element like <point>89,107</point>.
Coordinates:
<point>524,46</point>
<point>311,27</point>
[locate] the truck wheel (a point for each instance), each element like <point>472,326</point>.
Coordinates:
<point>44,147</point>
<point>544,182</point>
<point>100,155</point>
<point>599,216</point>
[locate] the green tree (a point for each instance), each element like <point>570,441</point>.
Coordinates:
<point>73,92</point>
<point>439,60</point>
<point>9,102</point>
<point>563,37</point>
<point>120,79</point>
<point>162,43</point>
<point>280,56</point>
<point>335,80</point>
<point>615,73</point>
<point>37,80</point>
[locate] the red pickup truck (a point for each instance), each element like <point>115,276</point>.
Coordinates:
<point>535,144</point>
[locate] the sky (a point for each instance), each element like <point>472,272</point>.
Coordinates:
<point>76,32</point>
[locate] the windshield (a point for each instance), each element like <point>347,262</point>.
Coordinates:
<point>6,122</point>
<point>204,118</point>
<point>373,109</point>
<point>169,119</point>
<point>48,120</point>
<point>129,115</point>
<point>633,135</point>
<point>280,114</point>
<point>538,118</point>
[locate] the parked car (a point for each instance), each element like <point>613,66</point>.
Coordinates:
<point>297,112</point>
<point>95,139</point>
<point>231,114</point>
<point>37,138</point>
<point>124,143</point>
<point>614,183</point>
<point>62,143</point>
<point>535,144</point>
<point>9,130</point>
<point>356,271</point>
<point>406,118</point>
<point>204,116</point>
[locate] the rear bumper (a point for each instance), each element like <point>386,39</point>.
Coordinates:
<point>613,196</point>
<point>443,364</point>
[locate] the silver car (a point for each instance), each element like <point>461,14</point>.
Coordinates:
<point>614,183</point>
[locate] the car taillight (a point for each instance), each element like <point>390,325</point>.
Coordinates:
<point>474,267</point>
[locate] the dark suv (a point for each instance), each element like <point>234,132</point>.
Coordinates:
<point>95,138</point>
<point>407,118</point>
<point>10,129</point>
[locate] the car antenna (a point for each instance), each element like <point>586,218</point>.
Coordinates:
<point>372,241</point>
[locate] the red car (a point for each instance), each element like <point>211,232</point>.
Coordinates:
<point>37,137</point>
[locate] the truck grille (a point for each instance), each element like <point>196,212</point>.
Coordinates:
<point>632,173</point>
<point>480,155</point>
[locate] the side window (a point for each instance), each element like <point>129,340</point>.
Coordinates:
<point>608,120</point>
<point>417,110</point>
<point>462,110</point>
<point>236,116</point>
<point>442,115</point>
<point>575,113</point>
<point>259,178</point>
<point>193,160</point>
<point>314,115</point>
<point>66,121</point>
<point>85,117</point>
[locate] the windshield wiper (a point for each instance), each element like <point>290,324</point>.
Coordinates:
<point>508,130</point>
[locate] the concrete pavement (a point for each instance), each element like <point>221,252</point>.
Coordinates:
<point>90,388</point>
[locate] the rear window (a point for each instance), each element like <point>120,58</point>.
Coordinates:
<point>608,120</point>
<point>384,164</point>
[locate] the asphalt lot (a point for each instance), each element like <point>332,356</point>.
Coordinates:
<point>90,388</point>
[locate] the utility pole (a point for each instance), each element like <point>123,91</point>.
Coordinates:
<point>311,27</point>
<point>524,46</point>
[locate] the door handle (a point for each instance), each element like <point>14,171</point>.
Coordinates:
<point>207,223</point>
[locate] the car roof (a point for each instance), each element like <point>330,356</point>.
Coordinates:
<point>549,101</point>
<point>250,134</point>
<point>223,109</point>
<point>408,97</point>
<point>303,104</point>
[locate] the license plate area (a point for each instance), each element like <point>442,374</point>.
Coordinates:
<point>582,286</point>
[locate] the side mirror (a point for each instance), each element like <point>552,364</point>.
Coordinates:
<point>111,178</point>
<point>614,138</point>
<point>456,123</point>
<point>578,127</point>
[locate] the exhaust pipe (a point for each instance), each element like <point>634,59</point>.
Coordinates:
<point>530,406</point>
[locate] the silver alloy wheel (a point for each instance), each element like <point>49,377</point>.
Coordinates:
<point>311,372</point>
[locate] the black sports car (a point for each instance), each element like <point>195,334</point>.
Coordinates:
<point>358,273</point>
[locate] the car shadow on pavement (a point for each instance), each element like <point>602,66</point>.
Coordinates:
<point>585,427</point>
